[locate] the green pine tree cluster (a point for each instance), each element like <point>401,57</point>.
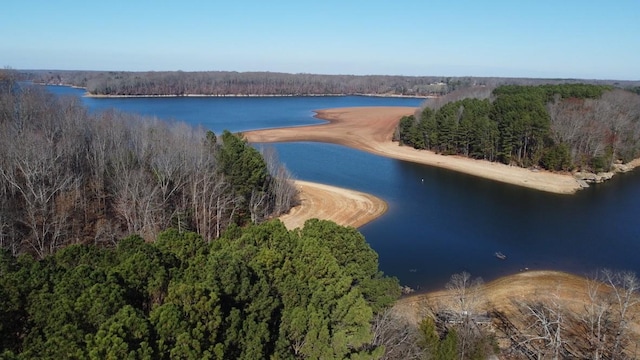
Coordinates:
<point>556,127</point>
<point>257,292</point>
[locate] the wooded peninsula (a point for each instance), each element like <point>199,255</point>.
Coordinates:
<point>571,127</point>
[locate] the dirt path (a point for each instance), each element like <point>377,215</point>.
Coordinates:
<point>371,129</point>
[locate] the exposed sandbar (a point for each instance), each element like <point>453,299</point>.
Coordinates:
<point>342,206</point>
<point>371,129</point>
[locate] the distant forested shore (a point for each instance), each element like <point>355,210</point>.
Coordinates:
<point>230,83</point>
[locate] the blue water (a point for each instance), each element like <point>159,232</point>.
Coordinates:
<point>447,223</point>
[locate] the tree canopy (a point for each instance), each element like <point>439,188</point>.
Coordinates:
<point>231,83</point>
<point>556,127</point>
<point>260,291</point>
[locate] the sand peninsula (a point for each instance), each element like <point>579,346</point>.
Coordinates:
<point>371,129</point>
<point>342,206</point>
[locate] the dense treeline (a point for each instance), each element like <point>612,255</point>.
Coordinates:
<point>557,127</point>
<point>225,83</point>
<point>257,292</point>
<point>67,176</point>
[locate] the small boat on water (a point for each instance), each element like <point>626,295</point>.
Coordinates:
<point>500,255</point>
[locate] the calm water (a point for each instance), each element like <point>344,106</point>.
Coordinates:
<point>450,222</point>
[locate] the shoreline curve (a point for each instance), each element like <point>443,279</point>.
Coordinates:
<point>325,202</point>
<point>371,129</point>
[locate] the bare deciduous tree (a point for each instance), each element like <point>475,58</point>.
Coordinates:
<point>467,299</point>
<point>466,292</point>
<point>624,287</point>
<point>600,329</point>
<point>591,127</point>
<point>399,337</point>
<point>546,327</point>
<point>282,188</point>
<point>597,318</point>
<point>137,200</point>
<point>38,170</point>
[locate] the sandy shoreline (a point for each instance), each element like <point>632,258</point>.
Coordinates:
<point>342,206</point>
<point>371,129</point>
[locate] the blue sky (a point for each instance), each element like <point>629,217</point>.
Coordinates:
<point>516,38</point>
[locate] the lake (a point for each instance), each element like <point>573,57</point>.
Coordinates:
<point>449,222</point>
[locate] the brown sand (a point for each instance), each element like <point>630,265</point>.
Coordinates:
<point>503,295</point>
<point>344,207</point>
<point>371,129</point>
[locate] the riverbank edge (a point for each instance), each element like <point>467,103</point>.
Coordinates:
<point>579,180</point>
<point>356,128</point>
<point>345,207</point>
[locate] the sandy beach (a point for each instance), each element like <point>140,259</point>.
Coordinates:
<point>342,206</point>
<point>371,129</point>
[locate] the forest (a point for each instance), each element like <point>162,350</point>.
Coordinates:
<point>566,127</point>
<point>257,292</point>
<point>129,237</point>
<point>230,83</point>
<point>68,176</point>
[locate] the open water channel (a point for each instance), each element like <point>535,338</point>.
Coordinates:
<point>448,223</point>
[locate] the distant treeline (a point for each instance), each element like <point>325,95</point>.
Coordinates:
<point>557,127</point>
<point>226,83</point>
<point>68,176</point>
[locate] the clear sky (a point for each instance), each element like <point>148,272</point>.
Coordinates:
<point>509,38</point>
